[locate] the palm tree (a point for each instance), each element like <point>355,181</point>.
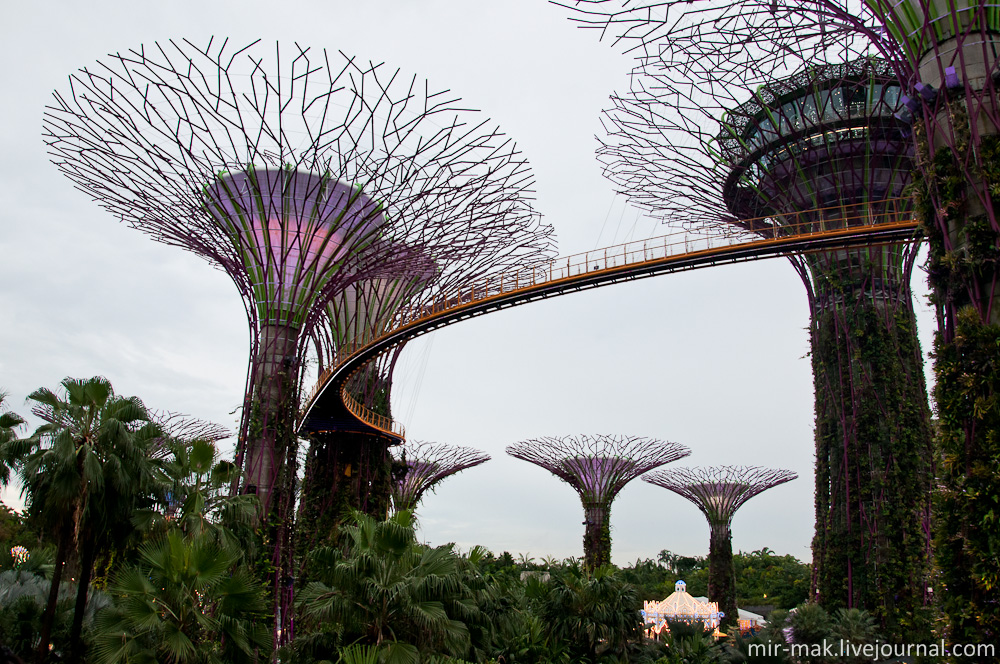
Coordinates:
<point>82,471</point>
<point>390,592</point>
<point>197,497</point>
<point>595,613</point>
<point>9,424</point>
<point>187,602</point>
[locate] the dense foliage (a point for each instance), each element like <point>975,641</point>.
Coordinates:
<point>763,579</point>
<point>873,452</point>
<point>177,574</point>
<point>956,197</point>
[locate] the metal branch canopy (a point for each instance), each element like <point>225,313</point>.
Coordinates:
<point>719,491</point>
<point>300,174</point>
<point>597,467</point>
<point>427,464</point>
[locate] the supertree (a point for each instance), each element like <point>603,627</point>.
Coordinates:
<point>426,465</point>
<point>947,57</point>
<point>347,465</point>
<point>597,467</point>
<point>298,176</point>
<point>944,57</point>
<point>719,492</point>
<point>773,140</point>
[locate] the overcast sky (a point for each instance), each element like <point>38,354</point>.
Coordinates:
<point>716,359</point>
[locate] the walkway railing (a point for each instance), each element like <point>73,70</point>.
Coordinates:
<point>368,416</point>
<point>799,228</point>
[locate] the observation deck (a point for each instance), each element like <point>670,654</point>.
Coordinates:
<point>824,136</point>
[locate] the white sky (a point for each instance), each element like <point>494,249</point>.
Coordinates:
<point>716,359</point>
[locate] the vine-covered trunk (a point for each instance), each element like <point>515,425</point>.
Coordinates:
<point>873,440</point>
<point>347,470</point>
<point>722,574</point>
<point>344,471</point>
<point>957,204</point>
<point>88,550</point>
<point>268,459</point>
<point>597,535</point>
<point>270,426</point>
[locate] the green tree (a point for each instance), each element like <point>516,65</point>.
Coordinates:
<point>11,524</point>
<point>14,531</point>
<point>186,602</point>
<point>761,577</point>
<point>855,627</point>
<point>765,578</point>
<point>81,472</point>
<point>594,615</point>
<point>9,424</point>
<point>196,498</point>
<point>387,591</point>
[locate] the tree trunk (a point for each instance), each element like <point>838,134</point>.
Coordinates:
<point>89,550</point>
<point>597,536</point>
<point>344,471</point>
<point>65,536</point>
<point>873,440</point>
<point>722,575</point>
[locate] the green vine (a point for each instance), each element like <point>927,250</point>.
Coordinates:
<point>873,443</point>
<point>963,273</point>
<point>722,575</point>
<point>597,537</point>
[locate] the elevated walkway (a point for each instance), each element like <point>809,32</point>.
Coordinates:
<point>329,407</point>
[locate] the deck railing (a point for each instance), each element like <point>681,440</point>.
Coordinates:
<point>838,220</point>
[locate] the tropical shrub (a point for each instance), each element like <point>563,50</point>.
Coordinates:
<point>186,602</point>
<point>388,591</point>
<point>593,616</point>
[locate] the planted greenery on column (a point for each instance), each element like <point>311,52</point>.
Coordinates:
<point>962,272</point>
<point>597,467</point>
<point>948,53</point>
<point>718,493</point>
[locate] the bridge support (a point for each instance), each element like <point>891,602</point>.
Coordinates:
<point>344,471</point>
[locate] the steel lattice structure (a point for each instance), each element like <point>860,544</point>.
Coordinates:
<point>185,429</point>
<point>719,492</point>
<point>300,175</point>
<point>747,109</point>
<point>427,464</point>
<point>598,467</point>
<point>944,57</point>
<point>946,54</point>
